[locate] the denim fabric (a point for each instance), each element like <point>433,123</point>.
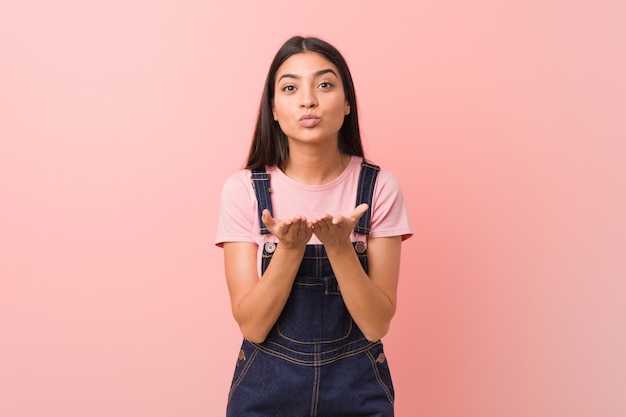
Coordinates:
<point>315,360</point>
<point>367,180</point>
<point>261,182</point>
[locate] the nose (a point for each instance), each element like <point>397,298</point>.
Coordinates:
<point>308,99</point>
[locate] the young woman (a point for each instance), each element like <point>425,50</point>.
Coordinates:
<point>311,233</point>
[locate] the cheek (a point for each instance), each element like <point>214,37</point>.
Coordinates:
<point>280,110</point>
<point>341,109</point>
<point>282,117</point>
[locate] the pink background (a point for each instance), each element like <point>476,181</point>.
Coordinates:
<point>504,120</point>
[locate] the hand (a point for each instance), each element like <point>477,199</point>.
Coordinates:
<point>336,230</point>
<point>292,233</point>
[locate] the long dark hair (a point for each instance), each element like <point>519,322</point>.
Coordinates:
<point>269,143</point>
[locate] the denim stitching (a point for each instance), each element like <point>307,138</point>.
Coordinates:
<point>316,391</point>
<point>382,384</point>
<point>364,342</point>
<point>316,342</point>
<point>314,362</point>
<point>261,184</point>
<point>245,370</point>
<point>367,181</point>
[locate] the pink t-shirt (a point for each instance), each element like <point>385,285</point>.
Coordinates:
<point>239,220</point>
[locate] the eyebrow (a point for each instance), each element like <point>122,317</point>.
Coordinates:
<point>316,74</point>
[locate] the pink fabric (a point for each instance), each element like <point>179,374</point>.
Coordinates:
<point>238,220</point>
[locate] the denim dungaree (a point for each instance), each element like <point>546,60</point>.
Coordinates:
<point>315,361</point>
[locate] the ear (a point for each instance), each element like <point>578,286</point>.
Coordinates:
<point>274,112</point>
<point>347,109</point>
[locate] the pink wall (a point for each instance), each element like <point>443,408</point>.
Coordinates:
<point>504,120</point>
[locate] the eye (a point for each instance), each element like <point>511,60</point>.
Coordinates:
<point>288,88</point>
<point>326,85</point>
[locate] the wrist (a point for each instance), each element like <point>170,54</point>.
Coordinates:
<point>291,248</point>
<point>339,248</point>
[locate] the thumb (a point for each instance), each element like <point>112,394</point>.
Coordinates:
<point>359,211</point>
<point>267,218</point>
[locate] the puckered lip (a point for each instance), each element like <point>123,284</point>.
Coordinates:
<point>308,116</point>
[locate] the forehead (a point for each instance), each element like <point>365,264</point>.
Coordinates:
<point>305,64</point>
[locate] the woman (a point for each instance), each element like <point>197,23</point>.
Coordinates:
<point>311,235</point>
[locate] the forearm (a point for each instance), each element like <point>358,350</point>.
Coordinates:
<point>259,309</point>
<point>371,309</point>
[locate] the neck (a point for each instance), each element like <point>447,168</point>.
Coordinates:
<point>315,168</point>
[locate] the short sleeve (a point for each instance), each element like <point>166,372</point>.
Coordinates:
<point>390,216</point>
<point>236,221</point>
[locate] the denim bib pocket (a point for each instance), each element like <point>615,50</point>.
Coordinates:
<point>315,312</point>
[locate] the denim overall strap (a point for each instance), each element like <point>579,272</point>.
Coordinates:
<point>261,184</point>
<point>365,194</point>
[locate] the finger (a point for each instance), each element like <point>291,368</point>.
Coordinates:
<point>267,218</point>
<point>359,211</point>
<point>324,217</point>
<point>338,219</point>
<point>325,220</point>
<point>304,228</point>
<point>299,225</point>
<point>299,222</point>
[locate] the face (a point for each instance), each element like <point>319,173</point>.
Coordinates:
<point>309,101</point>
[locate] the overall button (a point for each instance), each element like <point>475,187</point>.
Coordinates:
<point>359,246</point>
<point>270,247</point>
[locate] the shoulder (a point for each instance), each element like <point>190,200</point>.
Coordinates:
<point>238,189</point>
<point>387,191</point>
<point>385,180</point>
<point>238,179</point>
